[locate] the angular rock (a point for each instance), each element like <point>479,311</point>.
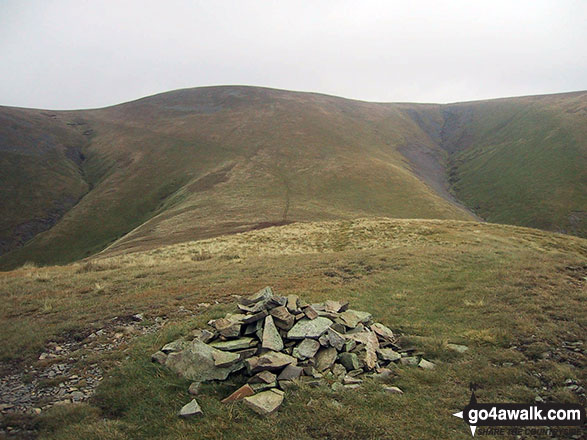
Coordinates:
<point>194,388</point>
<point>241,393</point>
<point>350,361</point>
<point>230,326</point>
<point>191,409</point>
<point>338,370</point>
<point>257,387</point>
<point>306,349</point>
<point>310,312</point>
<point>323,340</point>
<point>325,358</point>
<point>255,317</point>
<point>253,328</point>
<point>383,332</point>
<point>276,301</point>
<point>234,344</point>
<point>409,360</point>
<point>352,318</point>
<point>290,372</point>
<point>335,339</point>
<point>225,358</point>
<point>457,348</point>
<point>350,380</point>
<point>196,363</point>
<point>392,390</point>
<point>292,303</point>
<point>306,328</point>
<point>175,346</point>
<point>263,377</point>
<point>283,319</point>
<point>387,354</point>
<point>159,357</point>
<point>246,353</point>
<point>371,345</point>
<point>262,295</point>
<point>266,402</point>
<point>335,306</point>
<point>426,365</point>
<point>272,360</point>
<point>271,338</point>
<point>203,335</point>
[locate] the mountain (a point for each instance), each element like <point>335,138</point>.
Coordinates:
<point>204,162</point>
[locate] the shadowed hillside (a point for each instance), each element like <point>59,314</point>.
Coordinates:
<point>204,162</point>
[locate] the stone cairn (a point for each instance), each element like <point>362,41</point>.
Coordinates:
<point>280,342</point>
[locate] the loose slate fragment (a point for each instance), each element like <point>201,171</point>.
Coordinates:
<point>325,358</point>
<point>307,349</point>
<point>383,332</point>
<point>225,358</point>
<point>283,319</point>
<point>310,312</point>
<point>290,372</point>
<point>272,360</point>
<point>350,361</point>
<point>241,393</point>
<point>234,344</point>
<point>196,363</point>
<point>306,328</point>
<point>263,377</point>
<point>271,338</point>
<point>336,339</point>
<point>426,365</point>
<point>387,354</point>
<point>191,409</point>
<point>175,346</point>
<point>262,295</point>
<point>292,303</point>
<point>352,318</point>
<point>266,402</point>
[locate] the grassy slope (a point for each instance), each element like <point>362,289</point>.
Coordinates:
<point>493,288</point>
<point>524,161</point>
<point>203,162</point>
<point>40,176</point>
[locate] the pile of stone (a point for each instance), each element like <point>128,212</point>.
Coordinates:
<point>280,342</point>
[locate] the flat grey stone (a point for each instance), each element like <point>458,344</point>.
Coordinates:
<point>387,354</point>
<point>426,365</point>
<point>234,344</point>
<point>271,338</point>
<point>196,363</point>
<point>352,318</point>
<point>272,360</point>
<point>306,328</point>
<point>263,377</point>
<point>266,402</point>
<point>383,332</point>
<point>306,349</point>
<point>175,346</point>
<point>335,339</point>
<point>458,348</point>
<point>350,361</point>
<point>191,409</point>
<point>325,358</point>
<point>225,358</point>
<point>290,372</point>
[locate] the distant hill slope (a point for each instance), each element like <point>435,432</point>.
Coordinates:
<point>203,162</point>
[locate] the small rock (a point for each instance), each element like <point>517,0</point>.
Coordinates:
<point>310,313</point>
<point>266,402</point>
<point>387,354</point>
<point>263,377</point>
<point>409,360</point>
<point>457,348</point>
<point>350,361</point>
<point>306,349</point>
<point>290,372</point>
<point>352,318</point>
<point>306,328</point>
<point>194,388</point>
<point>392,390</point>
<point>271,338</point>
<point>234,344</point>
<point>159,357</point>
<point>241,393</point>
<point>426,365</point>
<point>191,409</point>
<point>325,358</point>
<point>225,358</point>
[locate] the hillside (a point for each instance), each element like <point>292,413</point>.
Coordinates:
<point>495,289</point>
<point>204,162</point>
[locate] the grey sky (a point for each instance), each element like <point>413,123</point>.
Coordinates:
<point>76,54</point>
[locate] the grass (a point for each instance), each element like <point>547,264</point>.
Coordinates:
<point>506,292</point>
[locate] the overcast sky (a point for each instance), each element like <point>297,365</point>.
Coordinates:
<point>63,54</point>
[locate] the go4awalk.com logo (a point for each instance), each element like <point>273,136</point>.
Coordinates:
<point>520,415</point>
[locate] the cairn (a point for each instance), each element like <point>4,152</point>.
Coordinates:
<point>280,342</point>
